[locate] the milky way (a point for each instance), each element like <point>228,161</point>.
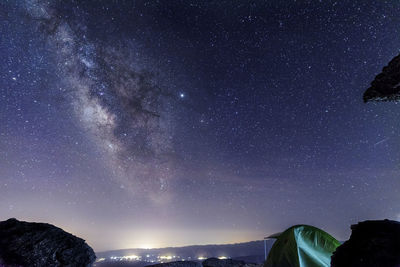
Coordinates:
<point>163,123</point>
<point>118,103</point>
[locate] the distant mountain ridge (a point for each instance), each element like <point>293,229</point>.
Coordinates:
<point>252,251</point>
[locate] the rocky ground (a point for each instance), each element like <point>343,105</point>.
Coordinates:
<point>371,244</point>
<point>211,262</point>
<point>41,244</point>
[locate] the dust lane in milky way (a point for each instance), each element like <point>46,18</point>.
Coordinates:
<point>123,109</point>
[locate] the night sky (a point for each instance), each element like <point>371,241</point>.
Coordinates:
<point>160,123</point>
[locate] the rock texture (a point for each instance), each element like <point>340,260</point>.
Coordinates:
<point>40,244</point>
<point>214,262</point>
<point>177,264</point>
<point>386,85</point>
<point>211,262</point>
<point>371,244</point>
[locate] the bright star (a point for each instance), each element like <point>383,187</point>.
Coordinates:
<point>181,95</point>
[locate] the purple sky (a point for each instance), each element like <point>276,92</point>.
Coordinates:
<point>165,123</point>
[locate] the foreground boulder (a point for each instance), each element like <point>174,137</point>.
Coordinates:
<point>211,262</point>
<point>386,85</point>
<point>40,244</point>
<point>371,244</point>
<point>215,262</point>
<point>177,264</point>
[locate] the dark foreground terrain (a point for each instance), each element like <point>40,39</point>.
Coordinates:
<point>41,244</point>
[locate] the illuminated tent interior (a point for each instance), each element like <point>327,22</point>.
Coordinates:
<point>302,246</point>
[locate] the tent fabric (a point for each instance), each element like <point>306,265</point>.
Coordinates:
<point>302,246</point>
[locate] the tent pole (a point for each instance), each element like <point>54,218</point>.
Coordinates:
<point>265,249</point>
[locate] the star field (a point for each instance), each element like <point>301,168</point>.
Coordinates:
<point>164,123</point>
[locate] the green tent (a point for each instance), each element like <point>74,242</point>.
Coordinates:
<point>302,246</point>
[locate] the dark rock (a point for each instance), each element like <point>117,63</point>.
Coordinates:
<point>371,244</point>
<point>214,262</point>
<point>386,85</point>
<point>41,244</point>
<point>177,264</point>
<point>256,259</point>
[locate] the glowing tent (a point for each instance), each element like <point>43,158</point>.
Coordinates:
<point>302,246</point>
